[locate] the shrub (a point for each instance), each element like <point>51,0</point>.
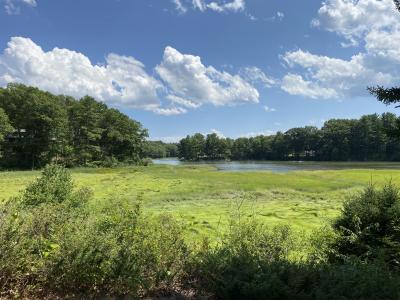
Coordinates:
<point>53,241</point>
<point>245,263</point>
<point>55,185</point>
<point>256,262</point>
<point>369,227</point>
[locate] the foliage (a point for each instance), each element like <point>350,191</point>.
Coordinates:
<point>387,96</point>
<point>5,126</point>
<point>369,226</point>
<point>51,128</point>
<point>253,262</point>
<point>55,241</point>
<point>371,138</point>
<point>52,242</point>
<point>159,149</point>
<point>232,269</point>
<point>304,199</point>
<point>54,185</point>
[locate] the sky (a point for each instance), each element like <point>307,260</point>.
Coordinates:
<point>233,67</point>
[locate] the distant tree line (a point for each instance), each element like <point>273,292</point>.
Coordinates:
<point>159,149</point>
<point>370,138</point>
<point>37,128</point>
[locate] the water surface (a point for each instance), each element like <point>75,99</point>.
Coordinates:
<point>280,167</point>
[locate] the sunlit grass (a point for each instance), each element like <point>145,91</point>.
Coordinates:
<point>204,199</point>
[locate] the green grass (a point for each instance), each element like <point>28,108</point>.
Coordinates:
<point>204,198</point>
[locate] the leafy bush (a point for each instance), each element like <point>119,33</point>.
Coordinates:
<point>55,185</point>
<point>243,265</point>
<point>369,227</point>
<point>254,262</point>
<point>52,240</point>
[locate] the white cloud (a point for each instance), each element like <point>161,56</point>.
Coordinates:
<point>254,134</point>
<point>122,80</point>
<point>167,139</point>
<point>218,133</point>
<point>181,101</point>
<point>269,109</point>
<point>256,75</point>
<point>188,79</point>
<point>279,16</point>
<point>234,6</point>
<point>296,85</point>
<point>172,111</point>
<point>217,6</point>
<point>375,24</point>
<point>354,19</point>
<point>12,7</point>
<point>179,6</point>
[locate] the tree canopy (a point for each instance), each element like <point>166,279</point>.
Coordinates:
<point>366,139</point>
<point>38,127</point>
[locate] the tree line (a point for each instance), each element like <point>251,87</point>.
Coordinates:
<point>37,128</point>
<point>370,138</point>
<point>159,149</point>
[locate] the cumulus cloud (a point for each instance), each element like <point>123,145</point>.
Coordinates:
<point>121,80</point>
<point>13,7</point>
<point>296,85</point>
<point>375,24</point>
<point>354,19</point>
<point>189,80</point>
<point>256,75</point>
<point>203,5</point>
<point>184,82</point>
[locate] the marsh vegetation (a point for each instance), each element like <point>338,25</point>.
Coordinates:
<point>196,232</point>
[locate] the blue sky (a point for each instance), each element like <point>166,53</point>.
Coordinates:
<point>236,67</point>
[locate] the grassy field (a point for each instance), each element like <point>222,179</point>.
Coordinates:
<point>205,199</point>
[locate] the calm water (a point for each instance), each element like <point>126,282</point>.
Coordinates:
<point>280,167</point>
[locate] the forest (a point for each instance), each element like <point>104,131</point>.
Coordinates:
<point>37,128</point>
<point>370,138</point>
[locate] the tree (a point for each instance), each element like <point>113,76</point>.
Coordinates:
<point>85,116</point>
<point>216,147</point>
<point>336,140</point>
<point>121,137</point>
<point>40,123</point>
<point>302,141</point>
<point>386,95</point>
<point>41,128</point>
<point>5,126</point>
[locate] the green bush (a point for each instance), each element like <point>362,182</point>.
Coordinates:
<point>52,241</point>
<point>369,227</point>
<point>55,185</point>
<point>243,265</point>
<point>255,262</point>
